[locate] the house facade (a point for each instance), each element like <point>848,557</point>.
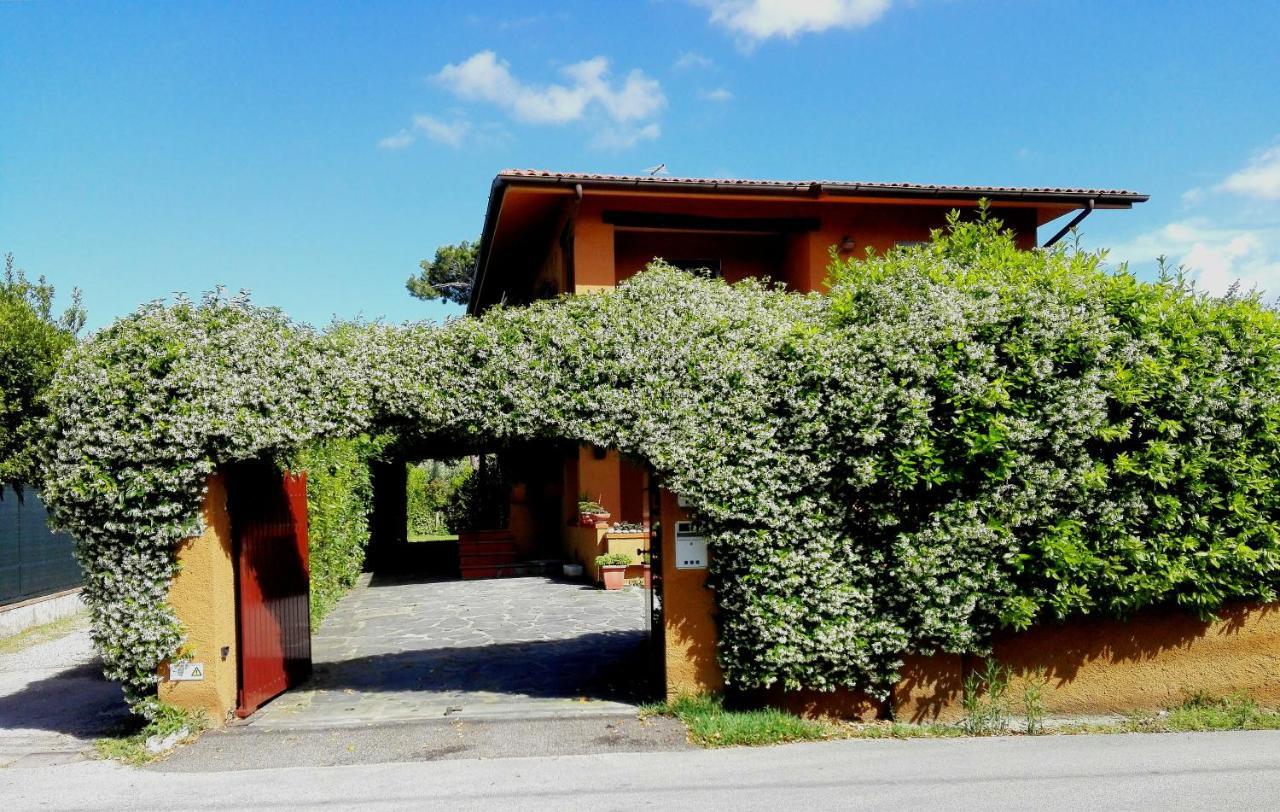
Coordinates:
<point>548,233</point>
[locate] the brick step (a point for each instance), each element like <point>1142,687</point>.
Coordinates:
<point>488,548</point>
<point>498,571</point>
<point>485,537</point>
<point>487,559</point>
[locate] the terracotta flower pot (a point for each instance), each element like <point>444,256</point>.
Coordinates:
<point>592,519</point>
<point>613,577</point>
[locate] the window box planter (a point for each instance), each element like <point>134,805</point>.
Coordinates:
<point>594,519</point>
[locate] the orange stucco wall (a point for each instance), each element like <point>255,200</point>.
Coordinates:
<point>688,609</point>
<point>593,267</point>
<point>1094,666</point>
<point>203,597</point>
<point>600,479</point>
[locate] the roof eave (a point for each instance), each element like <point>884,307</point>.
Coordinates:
<point>1100,198</point>
<point>496,193</point>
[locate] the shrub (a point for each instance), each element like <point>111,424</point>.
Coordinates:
<point>32,340</point>
<point>339,501</point>
<point>431,486</point>
<point>962,436</point>
<point>613,560</point>
<point>480,499</point>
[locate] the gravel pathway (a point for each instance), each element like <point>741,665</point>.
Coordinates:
<point>54,701</point>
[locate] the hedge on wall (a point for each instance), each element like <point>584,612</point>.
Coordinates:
<point>339,501</point>
<point>962,436</point>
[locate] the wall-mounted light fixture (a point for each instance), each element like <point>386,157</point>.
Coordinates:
<point>846,244</point>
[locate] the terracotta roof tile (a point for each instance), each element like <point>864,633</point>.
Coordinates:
<point>912,189</point>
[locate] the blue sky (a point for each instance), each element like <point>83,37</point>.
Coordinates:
<point>313,153</point>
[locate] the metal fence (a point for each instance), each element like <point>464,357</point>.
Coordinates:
<point>34,560</point>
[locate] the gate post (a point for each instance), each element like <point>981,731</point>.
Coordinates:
<point>203,596</point>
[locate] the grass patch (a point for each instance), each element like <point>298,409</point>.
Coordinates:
<point>711,725</point>
<point>433,537</point>
<point>43,633</point>
<point>1203,712</point>
<point>130,745</point>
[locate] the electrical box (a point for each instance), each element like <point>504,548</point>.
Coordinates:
<point>691,547</point>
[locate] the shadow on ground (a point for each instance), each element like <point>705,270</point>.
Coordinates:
<point>78,702</point>
<point>610,665</point>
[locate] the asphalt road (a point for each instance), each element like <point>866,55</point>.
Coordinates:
<point>1204,770</point>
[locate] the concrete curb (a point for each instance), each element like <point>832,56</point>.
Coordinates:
<point>18,617</point>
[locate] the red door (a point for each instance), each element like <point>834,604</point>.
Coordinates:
<point>273,620</point>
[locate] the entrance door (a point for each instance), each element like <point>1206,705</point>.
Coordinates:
<point>273,622</point>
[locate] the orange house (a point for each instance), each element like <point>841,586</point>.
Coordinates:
<point>548,233</point>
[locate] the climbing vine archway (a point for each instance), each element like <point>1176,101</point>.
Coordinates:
<point>961,436</point>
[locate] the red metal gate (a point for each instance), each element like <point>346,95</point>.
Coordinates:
<point>273,620</point>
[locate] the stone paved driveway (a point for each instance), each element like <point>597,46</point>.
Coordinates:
<point>401,650</point>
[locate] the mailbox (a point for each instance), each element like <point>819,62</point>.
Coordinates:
<point>691,547</point>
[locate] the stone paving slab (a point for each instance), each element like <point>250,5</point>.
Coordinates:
<point>397,650</point>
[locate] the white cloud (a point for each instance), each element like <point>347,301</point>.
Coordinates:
<point>1231,241</point>
<point>720,94</point>
<point>484,77</point>
<point>620,138</point>
<point>400,140</point>
<point>446,132</point>
<point>1217,256</point>
<point>1260,179</point>
<point>692,59</point>
<point>758,20</point>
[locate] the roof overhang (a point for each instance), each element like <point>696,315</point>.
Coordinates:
<point>1050,202</point>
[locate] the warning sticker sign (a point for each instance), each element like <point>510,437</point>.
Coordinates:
<point>185,671</point>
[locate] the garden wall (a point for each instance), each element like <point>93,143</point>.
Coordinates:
<point>1092,666</point>
<point>1156,660</point>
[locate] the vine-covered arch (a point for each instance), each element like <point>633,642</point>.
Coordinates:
<point>959,436</point>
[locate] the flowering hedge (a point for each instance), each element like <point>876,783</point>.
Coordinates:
<point>961,436</point>
<point>339,503</point>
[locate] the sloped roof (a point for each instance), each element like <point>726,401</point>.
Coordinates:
<point>1100,197</point>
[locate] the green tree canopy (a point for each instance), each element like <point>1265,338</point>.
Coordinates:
<point>447,276</point>
<point>32,340</point>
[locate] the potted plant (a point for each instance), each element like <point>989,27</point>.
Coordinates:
<point>591,512</point>
<point>613,568</point>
